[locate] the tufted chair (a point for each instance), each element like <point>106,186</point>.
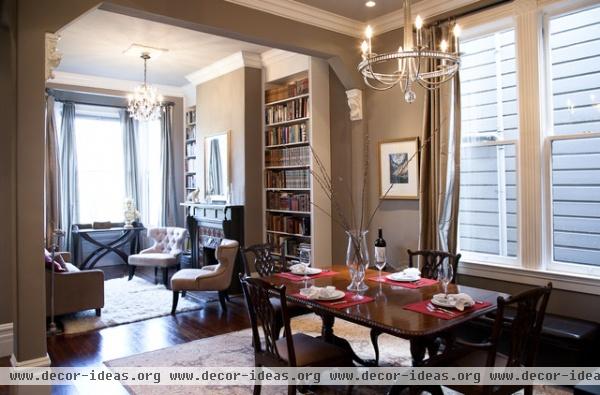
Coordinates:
<point>209,278</point>
<point>168,245</point>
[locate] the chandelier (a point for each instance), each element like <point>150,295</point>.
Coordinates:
<point>145,102</point>
<point>412,63</point>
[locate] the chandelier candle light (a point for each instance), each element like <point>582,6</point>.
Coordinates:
<point>145,103</point>
<point>428,67</point>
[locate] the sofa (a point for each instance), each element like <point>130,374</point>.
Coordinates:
<point>75,290</point>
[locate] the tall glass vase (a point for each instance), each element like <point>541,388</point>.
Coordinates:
<point>357,259</point>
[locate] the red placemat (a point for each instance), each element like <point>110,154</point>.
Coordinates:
<point>347,301</point>
<point>421,307</point>
<point>296,277</point>
<point>424,282</point>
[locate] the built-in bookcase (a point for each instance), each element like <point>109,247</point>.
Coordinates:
<point>296,117</point>
<point>190,151</point>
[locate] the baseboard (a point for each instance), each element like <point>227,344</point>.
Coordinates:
<point>6,339</point>
<point>41,362</point>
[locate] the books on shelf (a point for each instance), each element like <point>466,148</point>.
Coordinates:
<point>296,133</point>
<point>190,148</point>
<point>190,116</point>
<point>190,132</point>
<point>288,201</point>
<point>288,224</point>
<point>288,111</point>
<point>288,178</point>
<point>296,156</point>
<point>294,88</point>
<point>190,165</point>
<point>190,181</point>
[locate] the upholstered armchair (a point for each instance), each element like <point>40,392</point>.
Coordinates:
<point>209,278</point>
<point>164,254</point>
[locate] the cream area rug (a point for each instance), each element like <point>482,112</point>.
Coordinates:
<point>128,301</point>
<point>235,349</point>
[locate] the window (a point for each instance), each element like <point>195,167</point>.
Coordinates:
<point>488,186</point>
<point>573,58</point>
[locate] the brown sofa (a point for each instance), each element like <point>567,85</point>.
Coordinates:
<point>75,290</point>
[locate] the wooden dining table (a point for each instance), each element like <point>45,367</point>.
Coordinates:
<point>386,312</point>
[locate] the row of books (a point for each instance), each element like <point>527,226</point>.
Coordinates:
<point>190,181</point>
<point>296,156</point>
<point>287,111</point>
<point>190,148</point>
<point>297,133</point>
<point>288,224</point>
<point>292,89</point>
<point>288,246</point>
<point>190,117</point>
<point>288,201</point>
<point>288,178</point>
<point>190,132</point>
<point>190,165</point>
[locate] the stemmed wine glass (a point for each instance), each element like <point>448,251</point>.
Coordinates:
<point>380,265</point>
<point>445,273</point>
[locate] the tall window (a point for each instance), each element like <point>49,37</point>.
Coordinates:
<point>488,187</point>
<point>573,42</point>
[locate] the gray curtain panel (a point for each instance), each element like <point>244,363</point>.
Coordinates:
<point>215,170</point>
<point>52,174</point>
<point>130,147</point>
<point>68,172</point>
<point>440,162</point>
<point>169,202</point>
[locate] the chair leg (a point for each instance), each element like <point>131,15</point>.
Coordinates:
<point>131,272</point>
<point>528,390</point>
<point>98,312</point>
<point>175,300</point>
<point>156,275</point>
<point>256,390</point>
<point>227,296</point>
<point>291,390</point>
<point>183,293</point>
<point>222,300</point>
<point>166,276</point>
<point>374,340</point>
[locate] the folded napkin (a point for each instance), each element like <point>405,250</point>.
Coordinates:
<point>411,272</point>
<point>460,301</point>
<point>317,292</point>
<point>299,268</point>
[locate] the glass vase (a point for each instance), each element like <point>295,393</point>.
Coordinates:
<point>357,259</point>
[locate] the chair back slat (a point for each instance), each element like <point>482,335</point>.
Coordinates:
<point>431,260</point>
<point>265,263</point>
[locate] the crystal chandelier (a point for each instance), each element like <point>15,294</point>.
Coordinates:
<point>412,63</point>
<point>145,102</point>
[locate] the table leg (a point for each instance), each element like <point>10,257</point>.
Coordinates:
<point>418,346</point>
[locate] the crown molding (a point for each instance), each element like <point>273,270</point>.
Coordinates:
<point>277,55</point>
<point>304,13</point>
<point>226,65</point>
<point>93,81</point>
<point>6,339</point>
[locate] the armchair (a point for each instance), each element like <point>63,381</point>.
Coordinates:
<point>168,245</point>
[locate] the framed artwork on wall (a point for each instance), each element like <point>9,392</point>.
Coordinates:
<point>394,171</point>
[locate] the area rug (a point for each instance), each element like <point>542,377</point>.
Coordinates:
<point>128,301</point>
<point>235,349</point>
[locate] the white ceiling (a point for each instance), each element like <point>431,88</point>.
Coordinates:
<point>356,9</point>
<point>94,45</point>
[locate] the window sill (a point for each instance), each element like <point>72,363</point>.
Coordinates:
<point>560,280</point>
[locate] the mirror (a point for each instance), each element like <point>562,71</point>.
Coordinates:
<point>216,167</point>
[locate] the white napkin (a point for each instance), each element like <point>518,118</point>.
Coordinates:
<point>460,301</point>
<point>299,268</point>
<point>318,292</point>
<point>411,272</point>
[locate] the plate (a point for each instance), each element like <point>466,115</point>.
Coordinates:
<point>402,277</point>
<point>337,294</point>
<point>441,301</point>
<point>311,271</point>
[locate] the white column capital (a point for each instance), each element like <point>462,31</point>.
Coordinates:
<point>53,57</point>
<point>355,103</point>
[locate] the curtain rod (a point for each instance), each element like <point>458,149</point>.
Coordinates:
<point>52,91</point>
<point>469,10</point>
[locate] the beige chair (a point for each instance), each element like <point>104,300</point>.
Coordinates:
<point>168,245</point>
<point>209,278</point>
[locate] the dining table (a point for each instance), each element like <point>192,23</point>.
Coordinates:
<point>386,310</point>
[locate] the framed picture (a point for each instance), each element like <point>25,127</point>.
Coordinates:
<point>395,174</point>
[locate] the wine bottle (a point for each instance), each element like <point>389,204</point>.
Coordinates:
<point>380,259</point>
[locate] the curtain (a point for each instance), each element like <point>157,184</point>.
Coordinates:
<point>215,169</point>
<point>440,162</point>
<point>168,192</point>
<point>52,175</point>
<point>130,157</point>
<point>68,172</point>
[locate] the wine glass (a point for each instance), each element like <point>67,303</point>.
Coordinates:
<point>380,264</point>
<point>445,273</point>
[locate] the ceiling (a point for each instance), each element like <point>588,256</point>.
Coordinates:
<point>94,45</point>
<point>356,9</point>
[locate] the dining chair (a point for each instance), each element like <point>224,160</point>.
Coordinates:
<point>293,350</point>
<point>430,261</point>
<point>523,337</point>
<point>266,264</point>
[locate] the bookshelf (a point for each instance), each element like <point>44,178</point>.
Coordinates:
<point>190,151</point>
<point>296,117</point>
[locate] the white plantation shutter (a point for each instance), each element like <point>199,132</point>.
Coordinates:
<point>488,208</point>
<point>574,57</point>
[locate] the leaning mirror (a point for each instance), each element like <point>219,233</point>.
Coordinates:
<point>216,167</point>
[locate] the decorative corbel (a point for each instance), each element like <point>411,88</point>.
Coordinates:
<point>355,103</point>
<point>53,57</point>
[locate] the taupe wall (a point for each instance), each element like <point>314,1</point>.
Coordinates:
<point>7,158</point>
<point>232,103</point>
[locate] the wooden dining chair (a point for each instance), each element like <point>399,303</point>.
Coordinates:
<point>430,261</point>
<point>523,336</point>
<point>266,264</point>
<point>294,350</point>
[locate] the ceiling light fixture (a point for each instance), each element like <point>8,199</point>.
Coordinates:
<point>370,4</point>
<point>145,102</point>
<point>410,63</point>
